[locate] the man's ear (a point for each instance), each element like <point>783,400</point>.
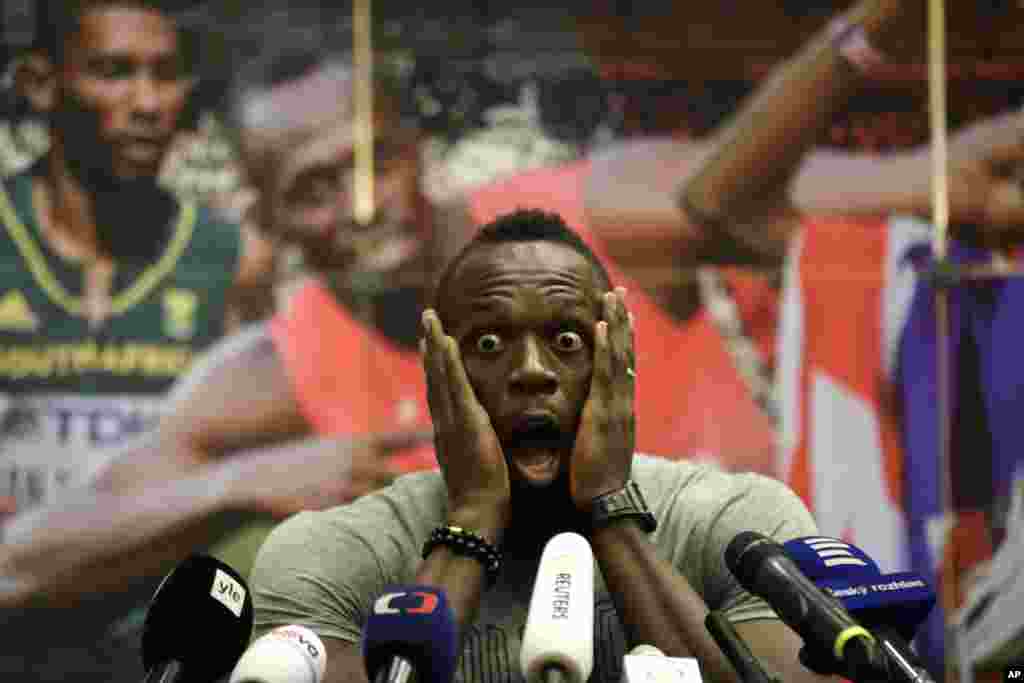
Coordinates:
<point>35,77</point>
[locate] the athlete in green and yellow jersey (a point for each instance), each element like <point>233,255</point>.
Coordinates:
<point>78,376</point>
<point>109,284</point>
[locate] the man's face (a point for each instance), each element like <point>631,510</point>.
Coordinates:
<point>299,144</point>
<point>523,314</point>
<point>121,90</point>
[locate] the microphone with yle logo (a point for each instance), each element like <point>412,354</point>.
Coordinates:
<point>197,624</point>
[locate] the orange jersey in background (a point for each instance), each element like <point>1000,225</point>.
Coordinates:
<point>348,378</point>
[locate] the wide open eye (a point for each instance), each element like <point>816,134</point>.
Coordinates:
<point>568,341</point>
<point>488,343</point>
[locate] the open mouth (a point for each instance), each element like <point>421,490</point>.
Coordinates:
<point>540,430</point>
<point>536,448</point>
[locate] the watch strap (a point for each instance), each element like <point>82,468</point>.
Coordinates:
<point>627,502</point>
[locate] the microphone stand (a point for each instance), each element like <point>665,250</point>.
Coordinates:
<point>900,661</point>
<point>398,670</point>
<point>165,672</point>
<point>552,673</point>
<point>891,661</point>
<point>736,650</point>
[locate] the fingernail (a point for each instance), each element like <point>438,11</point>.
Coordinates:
<point>425,319</point>
<point>423,346</point>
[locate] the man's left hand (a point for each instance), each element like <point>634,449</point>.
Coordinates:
<point>603,452</point>
<point>985,181</point>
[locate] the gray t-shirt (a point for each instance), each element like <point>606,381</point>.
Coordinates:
<point>323,569</point>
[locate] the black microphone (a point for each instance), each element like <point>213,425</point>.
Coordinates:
<point>891,606</point>
<point>763,568</point>
<point>198,623</point>
<point>736,649</point>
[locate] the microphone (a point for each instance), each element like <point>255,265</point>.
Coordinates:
<point>736,649</point>
<point>288,654</point>
<point>891,606</point>
<point>647,664</point>
<point>763,568</point>
<point>198,622</point>
<point>899,602</point>
<point>558,642</point>
<point>411,635</point>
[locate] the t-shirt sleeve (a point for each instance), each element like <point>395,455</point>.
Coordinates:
<point>299,578</point>
<point>760,504</point>
<point>323,569</point>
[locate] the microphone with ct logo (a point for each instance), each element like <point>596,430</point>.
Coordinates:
<point>763,568</point>
<point>558,643</point>
<point>891,606</point>
<point>289,654</point>
<point>197,624</point>
<point>411,635</point>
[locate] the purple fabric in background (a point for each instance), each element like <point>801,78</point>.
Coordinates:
<point>987,412</point>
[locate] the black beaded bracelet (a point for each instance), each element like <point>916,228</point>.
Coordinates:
<point>466,543</point>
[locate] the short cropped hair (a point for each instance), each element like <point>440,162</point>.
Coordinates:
<point>278,42</point>
<point>57,20</point>
<point>523,225</point>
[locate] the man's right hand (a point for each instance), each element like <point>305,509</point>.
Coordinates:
<point>468,450</point>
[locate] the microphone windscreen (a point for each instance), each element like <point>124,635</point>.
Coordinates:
<point>201,616</point>
<point>289,654</point>
<point>900,601</point>
<point>415,622</point>
<point>642,668</point>
<point>822,557</point>
<point>560,622</point>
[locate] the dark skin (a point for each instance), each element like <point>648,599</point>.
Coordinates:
<point>115,101</point>
<point>564,345</point>
<point>760,175</point>
<point>226,409</point>
<point>236,415</point>
<point>183,491</point>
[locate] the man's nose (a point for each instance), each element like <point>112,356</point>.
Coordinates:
<point>532,374</point>
<point>146,96</point>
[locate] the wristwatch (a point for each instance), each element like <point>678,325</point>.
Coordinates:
<point>625,502</point>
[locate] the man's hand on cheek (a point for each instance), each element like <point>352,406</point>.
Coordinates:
<point>468,450</point>
<point>603,451</point>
